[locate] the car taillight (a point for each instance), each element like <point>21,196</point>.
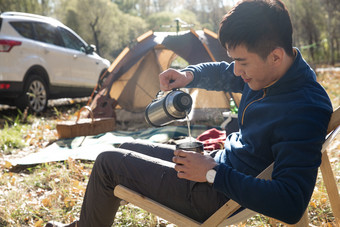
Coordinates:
<point>7,45</point>
<point>4,86</point>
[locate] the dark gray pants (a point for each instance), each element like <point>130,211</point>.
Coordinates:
<point>147,169</point>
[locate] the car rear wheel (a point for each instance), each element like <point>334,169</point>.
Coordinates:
<point>35,95</point>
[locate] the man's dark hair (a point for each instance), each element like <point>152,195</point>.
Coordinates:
<point>260,25</point>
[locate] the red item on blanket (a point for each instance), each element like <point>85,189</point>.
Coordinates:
<point>212,139</point>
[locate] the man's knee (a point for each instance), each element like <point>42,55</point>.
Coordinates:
<point>103,156</point>
<point>109,158</point>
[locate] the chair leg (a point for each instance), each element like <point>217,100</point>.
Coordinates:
<point>331,186</point>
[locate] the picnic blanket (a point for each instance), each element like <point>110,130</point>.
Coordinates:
<point>89,147</point>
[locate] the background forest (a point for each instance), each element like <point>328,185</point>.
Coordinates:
<point>113,24</point>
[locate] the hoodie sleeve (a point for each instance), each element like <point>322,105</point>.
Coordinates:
<point>296,151</point>
<point>217,76</point>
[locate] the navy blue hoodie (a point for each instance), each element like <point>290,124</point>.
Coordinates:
<point>284,123</point>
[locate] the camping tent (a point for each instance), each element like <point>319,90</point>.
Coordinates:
<point>132,79</point>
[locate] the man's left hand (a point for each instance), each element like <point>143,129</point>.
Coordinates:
<point>192,166</point>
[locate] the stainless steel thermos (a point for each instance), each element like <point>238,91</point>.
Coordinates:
<point>164,110</point>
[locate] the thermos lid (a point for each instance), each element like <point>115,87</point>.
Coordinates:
<point>178,104</point>
<point>182,102</point>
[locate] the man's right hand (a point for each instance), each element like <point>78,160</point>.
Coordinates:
<point>171,78</point>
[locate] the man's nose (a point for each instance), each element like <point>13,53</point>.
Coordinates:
<point>237,69</point>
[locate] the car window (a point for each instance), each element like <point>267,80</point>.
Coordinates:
<point>23,28</point>
<point>71,41</point>
<point>47,33</point>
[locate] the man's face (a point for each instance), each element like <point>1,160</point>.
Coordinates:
<point>253,69</point>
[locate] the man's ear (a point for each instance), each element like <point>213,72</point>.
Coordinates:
<point>277,55</point>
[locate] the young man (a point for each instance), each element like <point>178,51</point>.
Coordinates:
<point>283,117</point>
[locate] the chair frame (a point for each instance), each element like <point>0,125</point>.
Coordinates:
<point>222,216</point>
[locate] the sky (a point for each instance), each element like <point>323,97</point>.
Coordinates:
<point>229,2</point>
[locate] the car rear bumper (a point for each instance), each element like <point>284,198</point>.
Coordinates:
<point>10,90</point>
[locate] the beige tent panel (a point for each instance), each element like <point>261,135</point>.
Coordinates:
<point>209,99</point>
<point>165,56</point>
<point>142,86</point>
<point>119,85</point>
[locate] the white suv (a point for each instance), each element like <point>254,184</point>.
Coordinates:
<point>40,58</point>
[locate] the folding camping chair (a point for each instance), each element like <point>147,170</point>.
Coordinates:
<point>222,216</point>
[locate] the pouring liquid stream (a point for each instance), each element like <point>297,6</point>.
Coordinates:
<point>188,123</point>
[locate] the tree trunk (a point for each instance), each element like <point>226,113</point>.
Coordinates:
<point>95,34</point>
